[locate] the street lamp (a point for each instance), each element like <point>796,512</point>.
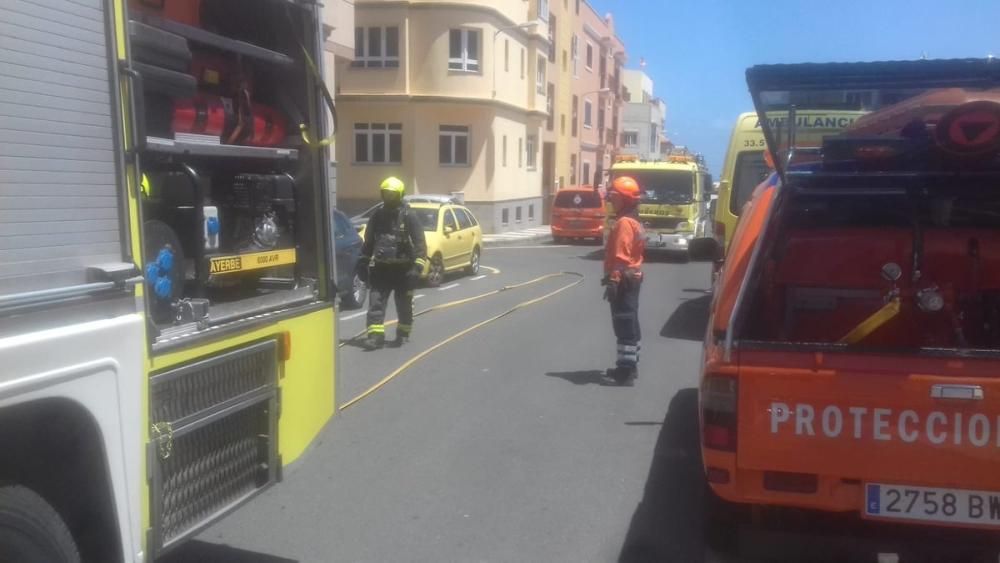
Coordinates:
<point>525,25</point>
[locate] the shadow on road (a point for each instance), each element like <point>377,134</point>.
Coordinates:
<point>689,321</point>
<point>667,523</point>
<point>584,377</point>
<point>203,552</point>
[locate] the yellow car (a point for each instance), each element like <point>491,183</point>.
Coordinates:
<point>454,239</point>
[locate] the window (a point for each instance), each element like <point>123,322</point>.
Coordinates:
<point>503,154</point>
<point>590,56</point>
<point>531,212</point>
<point>550,107</point>
<point>552,39</point>
<point>520,152</point>
<point>517,214</point>
<point>575,52</point>
<point>376,47</point>
<point>586,173</point>
<point>378,143</point>
<point>543,10</point>
<point>654,139</point>
<point>565,63</point>
<point>506,55</point>
<point>453,145</point>
<point>572,169</point>
<point>463,50</point>
<point>522,63</point>
<point>449,219</point>
<point>464,219</point>
<point>588,108</point>
<point>531,150</point>
<point>505,217</point>
<point>630,139</point>
<point>540,76</point>
<point>578,7</point>
<point>576,115</point>
<point>562,123</point>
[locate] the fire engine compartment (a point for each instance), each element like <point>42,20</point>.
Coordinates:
<point>829,261</point>
<point>232,196</point>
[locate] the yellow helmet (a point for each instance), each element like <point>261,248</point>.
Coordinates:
<point>394,185</point>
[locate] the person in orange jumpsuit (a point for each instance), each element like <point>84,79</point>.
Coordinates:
<point>623,258</point>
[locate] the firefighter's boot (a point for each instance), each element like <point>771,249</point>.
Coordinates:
<point>624,375</point>
<point>373,342</point>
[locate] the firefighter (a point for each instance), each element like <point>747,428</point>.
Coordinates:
<point>623,276</point>
<point>392,259</point>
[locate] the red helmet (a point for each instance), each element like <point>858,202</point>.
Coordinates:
<point>628,189</point>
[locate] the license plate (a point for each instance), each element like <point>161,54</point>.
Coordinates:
<point>928,504</point>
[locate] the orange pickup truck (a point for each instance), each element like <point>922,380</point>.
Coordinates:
<point>852,357</point>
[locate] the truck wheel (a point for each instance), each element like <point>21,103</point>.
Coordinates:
<point>31,531</point>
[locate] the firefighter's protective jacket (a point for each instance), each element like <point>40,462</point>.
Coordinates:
<point>394,236</point>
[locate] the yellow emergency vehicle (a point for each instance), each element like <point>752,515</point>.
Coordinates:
<point>675,203</point>
<point>746,167</point>
<point>167,322</point>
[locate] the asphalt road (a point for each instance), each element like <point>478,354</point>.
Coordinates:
<point>506,444</point>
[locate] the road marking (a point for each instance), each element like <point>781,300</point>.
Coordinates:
<point>447,287</point>
<point>354,316</point>
<point>421,296</point>
<point>494,270</point>
<point>477,278</point>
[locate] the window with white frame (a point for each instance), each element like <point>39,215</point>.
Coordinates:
<point>588,119</point>
<point>586,179</point>
<point>503,153</point>
<point>378,143</point>
<point>540,76</point>
<point>453,145</point>
<point>506,55</point>
<point>543,10</point>
<point>590,56</point>
<point>376,47</point>
<point>520,152</point>
<point>531,151</point>
<point>522,63</point>
<point>630,139</point>
<point>463,50</point>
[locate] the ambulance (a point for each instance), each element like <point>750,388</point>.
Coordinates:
<point>747,165</point>
<point>853,349</point>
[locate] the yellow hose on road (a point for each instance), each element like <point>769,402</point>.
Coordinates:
<point>409,363</point>
<point>458,302</point>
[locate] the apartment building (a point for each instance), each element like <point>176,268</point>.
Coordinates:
<point>643,118</point>
<point>338,45</point>
<point>597,92</point>
<point>451,97</point>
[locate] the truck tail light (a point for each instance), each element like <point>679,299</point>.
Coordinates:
<point>718,412</point>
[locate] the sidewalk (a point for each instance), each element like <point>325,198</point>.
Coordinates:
<point>534,235</point>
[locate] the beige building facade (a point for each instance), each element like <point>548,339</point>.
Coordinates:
<point>598,89</point>
<point>450,97</point>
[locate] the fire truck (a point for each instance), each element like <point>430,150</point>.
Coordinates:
<point>167,320</point>
<point>675,208</point>
<point>852,353</point>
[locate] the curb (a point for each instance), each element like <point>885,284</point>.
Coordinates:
<point>542,238</point>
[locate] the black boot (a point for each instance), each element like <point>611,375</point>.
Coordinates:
<point>402,338</point>
<point>373,342</point>
<point>625,375</point>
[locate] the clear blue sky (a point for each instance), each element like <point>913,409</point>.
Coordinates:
<point>696,51</point>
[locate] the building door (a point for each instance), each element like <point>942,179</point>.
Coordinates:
<point>548,179</point>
